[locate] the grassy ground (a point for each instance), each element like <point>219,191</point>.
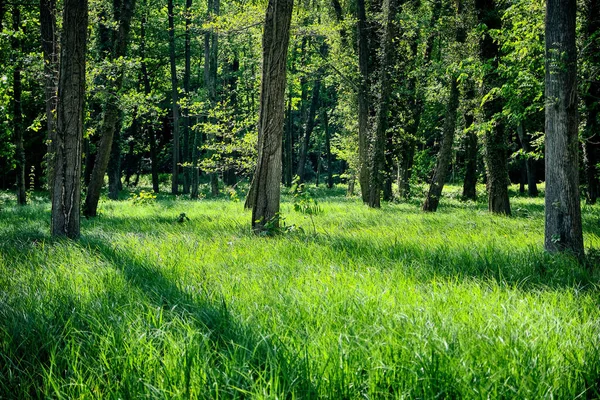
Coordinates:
<point>389,303</point>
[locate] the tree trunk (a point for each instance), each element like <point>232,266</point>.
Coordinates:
<point>147,90</point>
<point>377,161</point>
<point>496,147</point>
<point>50,54</point>
<point>363,100</point>
<point>174,101</point>
<point>264,194</point>
<point>187,172</point>
<point>532,189</point>
<point>443,161</point>
<point>289,144</point>
<point>328,149</point>
<point>563,230</point>
<point>310,124</point>
<point>18,127</point>
<point>69,129</point>
<point>123,12</point>
<point>591,142</point>
<point>211,49</point>
<point>114,167</point>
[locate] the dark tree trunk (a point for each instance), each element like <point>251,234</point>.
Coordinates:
<point>377,161</point>
<point>328,149</point>
<point>50,54</point>
<point>18,127</point>
<point>563,209</point>
<point>114,167</point>
<point>69,126</point>
<point>195,172</point>
<point>289,143</point>
<point>591,143</point>
<point>444,157</point>
<point>174,101</point>
<point>310,124</point>
<point>211,49</point>
<point>264,194</point>
<point>123,12</point>
<point>150,135</point>
<point>532,189</point>
<point>187,171</point>
<point>496,146</point>
<point>363,100</point>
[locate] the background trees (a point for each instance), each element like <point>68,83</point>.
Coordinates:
<point>393,96</point>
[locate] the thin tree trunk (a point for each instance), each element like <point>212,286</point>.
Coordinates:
<point>69,128</point>
<point>363,101</point>
<point>591,142</point>
<point>187,172</point>
<point>328,149</point>
<point>18,127</point>
<point>563,230</point>
<point>289,144</point>
<point>496,147</point>
<point>123,12</point>
<point>114,167</point>
<point>432,199</point>
<point>50,54</point>
<point>211,43</point>
<point>264,194</point>
<point>532,189</point>
<point>310,124</point>
<point>174,101</point>
<point>151,136</point>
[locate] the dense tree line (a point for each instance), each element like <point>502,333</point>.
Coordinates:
<point>387,94</point>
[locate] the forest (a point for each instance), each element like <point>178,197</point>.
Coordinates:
<point>270,199</point>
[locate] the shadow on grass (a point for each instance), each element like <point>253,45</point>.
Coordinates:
<point>527,269</point>
<point>248,349</point>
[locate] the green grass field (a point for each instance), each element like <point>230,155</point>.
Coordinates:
<point>389,303</point>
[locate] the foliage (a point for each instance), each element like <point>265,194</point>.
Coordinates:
<point>143,198</point>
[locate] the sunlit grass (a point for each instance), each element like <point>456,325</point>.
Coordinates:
<point>389,303</point>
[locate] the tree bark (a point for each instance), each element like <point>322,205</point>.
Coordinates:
<point>591,142</point>
<point>563,231</point>
<point>532,189</point>
<point>174,101</point>
<point>328,149</point>
<point>310,124</point>
<point>69,133</point>
<point>123,12</point>
<point>432,199</point>
<point>377,161</point>
<point>264,194</point>
<point>151,136</point>
<point>50,54</point>
<point>211,49</point>
<point>187,174</point>
<point>18,128</point>
<point>114,167</point>
<point>496,146</point>
<point>363,100</point>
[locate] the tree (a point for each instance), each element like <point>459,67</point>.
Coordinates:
<point>377,160</point>
<point>563,230</point>
<point>18,127</point>
<point>363,100</point>
<point>50,54</point>
<point>123,12</point>
<point>264,194</point>
<point>66,196</point>
<point>496,147</point>
<point>174,100</point>
<point>591,137</point>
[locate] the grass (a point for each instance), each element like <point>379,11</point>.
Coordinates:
<point>389,303</point>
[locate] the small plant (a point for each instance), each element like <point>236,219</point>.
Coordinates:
<point>233,195</point>
<point>143,198</point>
<point>304,202</point>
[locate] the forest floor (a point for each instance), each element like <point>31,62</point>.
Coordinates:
<point>390,303</point>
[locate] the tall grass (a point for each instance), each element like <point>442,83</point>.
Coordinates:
<point>389,303</point>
